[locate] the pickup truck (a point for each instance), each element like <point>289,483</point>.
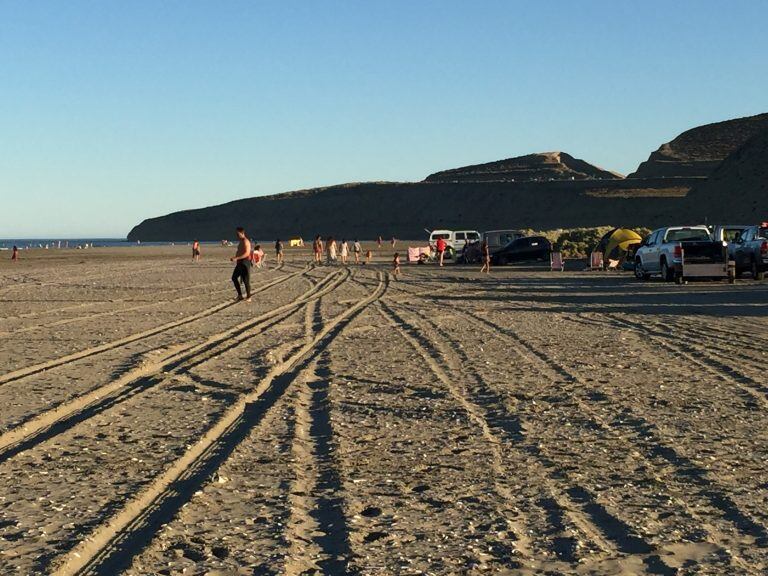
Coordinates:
<point>662,252</point>
<point>750,251</point>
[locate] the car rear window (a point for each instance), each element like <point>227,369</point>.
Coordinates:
<point>443,236</point>
<point>687,234</point>
<point>730,234</point>
<point>763,233</point>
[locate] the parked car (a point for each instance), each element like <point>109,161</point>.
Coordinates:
<point>750,251</point>
<point>662,251</point>
<point>496,239</point>
<point>455,239</point>
<point>522,250</point>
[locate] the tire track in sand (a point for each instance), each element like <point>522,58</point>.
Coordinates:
<point>50,423</point>
<point>418,342</point>
<point>648,445</point>
<point>114,542</point>
<point>317,527</point>
<point>68,359</point>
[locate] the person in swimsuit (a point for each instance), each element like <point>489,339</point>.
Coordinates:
<point>15,254</point>
<point>279,252</point>
<point>242,260</point>
<point>396,265</point>
<point>196,251</point>
<point>485,254</point>
<point>356,248</point>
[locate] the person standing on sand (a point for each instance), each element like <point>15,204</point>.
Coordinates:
<point>393,241</point>
<point>242,260</point>
<point>15,254</point>
<point>344,252</point>
<point>196,251</point>
<point>317,249</point>
<point>279,252</point>
<point>485,254</point>
<point>378,241</point>
<point>368,255</point>
<point>356,248</point>
<point>331,250</point>
<point>396,266</point>
<point>440,245</point>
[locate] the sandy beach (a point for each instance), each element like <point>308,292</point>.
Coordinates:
<point>528,422</point>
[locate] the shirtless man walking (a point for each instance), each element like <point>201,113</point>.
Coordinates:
<point>242,260</point>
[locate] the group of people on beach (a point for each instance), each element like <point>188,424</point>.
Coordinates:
<point>338,250</point>
<point>249,254</point>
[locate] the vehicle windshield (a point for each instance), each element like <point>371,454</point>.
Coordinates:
<point>687,235</point>
<point>443,236</point>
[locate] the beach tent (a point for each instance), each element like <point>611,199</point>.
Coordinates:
<point>615,244</point>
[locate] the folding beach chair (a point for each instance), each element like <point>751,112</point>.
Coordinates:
<point>556,261</point>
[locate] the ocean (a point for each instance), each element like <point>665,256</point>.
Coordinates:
<point>55,243</point>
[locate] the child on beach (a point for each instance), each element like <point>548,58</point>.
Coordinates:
<point>331,250</point>
<point>368,256</point>
<point>396,265</point>
<point>257,256</point>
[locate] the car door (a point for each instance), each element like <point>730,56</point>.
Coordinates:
<point>743,255</point>
<point>459,241</point>
<point>650,254</point>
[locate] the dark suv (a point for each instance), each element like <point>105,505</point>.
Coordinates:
<point>522,250</point>
<point>750,251</point>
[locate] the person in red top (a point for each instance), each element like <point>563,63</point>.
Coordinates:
<point>441,246</point>
<point>196,251</point>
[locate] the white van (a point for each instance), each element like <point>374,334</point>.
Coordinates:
<point>456,239</point>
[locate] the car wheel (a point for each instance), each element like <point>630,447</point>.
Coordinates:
<point>757,274</point>
<point>640,273</point>
<point>667,273</point>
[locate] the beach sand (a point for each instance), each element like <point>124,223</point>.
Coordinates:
<point>528,422</point>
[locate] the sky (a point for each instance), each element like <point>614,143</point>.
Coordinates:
<point>112,112</point>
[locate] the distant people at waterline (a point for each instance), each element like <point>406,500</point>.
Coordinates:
<point>242,260</point>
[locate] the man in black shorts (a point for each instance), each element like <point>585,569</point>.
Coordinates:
<point>242,260</point>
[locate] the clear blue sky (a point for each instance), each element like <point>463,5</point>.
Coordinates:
<point>112,112</point>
